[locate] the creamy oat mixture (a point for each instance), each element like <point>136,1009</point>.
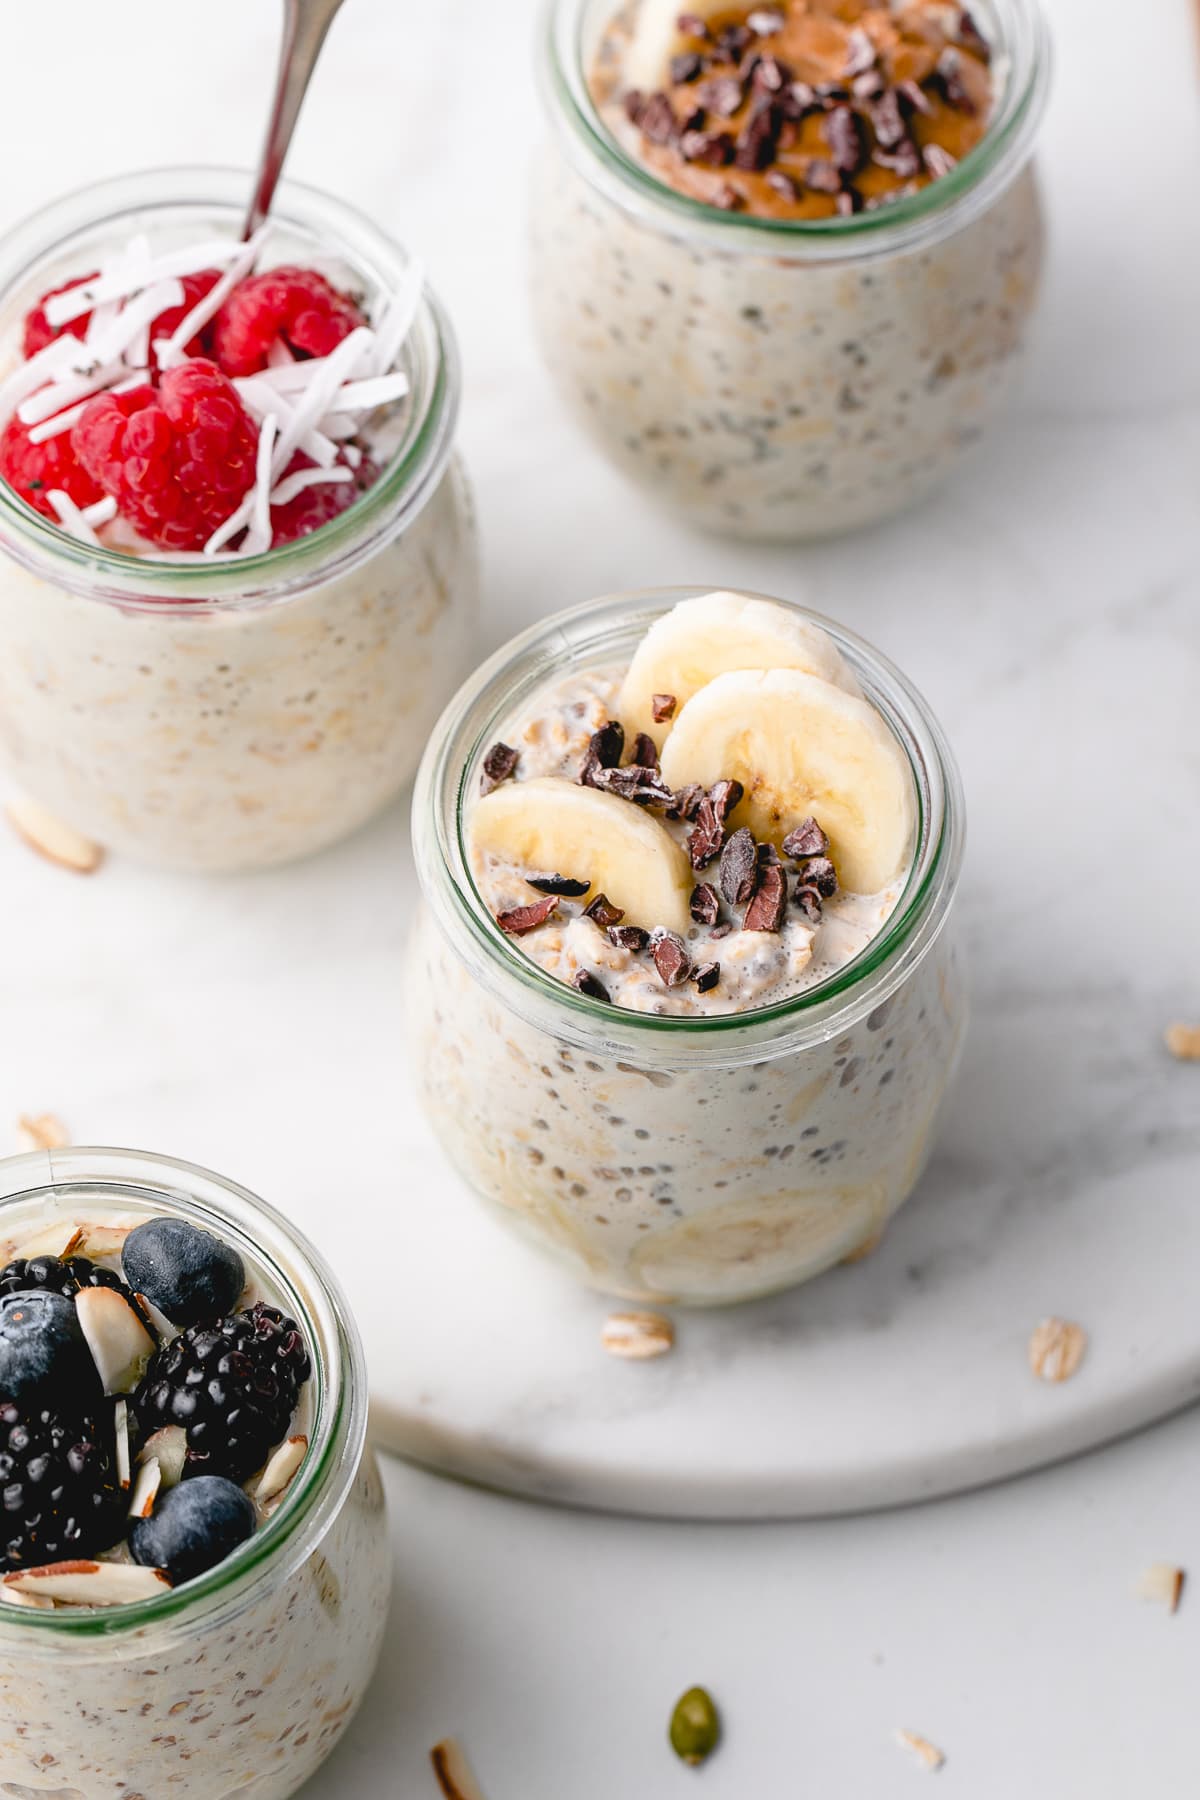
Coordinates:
<point>246,1697</point>
<point>758,383</point>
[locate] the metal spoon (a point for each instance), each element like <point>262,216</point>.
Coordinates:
<point>305,23</point>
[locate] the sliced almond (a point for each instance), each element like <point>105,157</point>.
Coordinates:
<point>121,1427</point>
<point>59,843</point>
<point>35,1602</point>
<point>455,1776</point>
<point>61,1239</point>
<point>1163,1583</point>
<point>145,1489</point>
<point>90,1583</point>
<point>168,1448</point>
<point>100,1241</point>
<point>281,1466</point>
<point>119,1342</point>
<point>637,1336</point>
<point>1183,1041</point>
<point>1056,1349</point>
<point>927,1753</point>
<point>42,1131</point>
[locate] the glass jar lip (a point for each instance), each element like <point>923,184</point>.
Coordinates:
<point>289,1536</point>
<point>925,217</point>
<point>469,725</point>
<point>388,506</point>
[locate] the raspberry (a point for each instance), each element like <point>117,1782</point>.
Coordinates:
<point>39,333</point>
<point>177,459</point>
<point>30,469</point>
<point>297,305</point>
<point>38,330</point>
<point>316,506</point>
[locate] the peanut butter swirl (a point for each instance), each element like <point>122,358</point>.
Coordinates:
<point>806,109</point>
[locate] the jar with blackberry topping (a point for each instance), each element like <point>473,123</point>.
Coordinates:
<point>195,1568</point>
<point>238,558</point>
<point>685,989</point>
<point>784,257</point>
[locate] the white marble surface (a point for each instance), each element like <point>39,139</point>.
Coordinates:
<point>1048,605</point>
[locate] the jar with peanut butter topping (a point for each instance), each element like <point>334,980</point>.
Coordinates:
<point>783,256</point>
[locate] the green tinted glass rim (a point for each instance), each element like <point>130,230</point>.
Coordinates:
<point>930,873</point>
<point>1016,119</point>
<point>232,1578</point>
<point>417,458</point>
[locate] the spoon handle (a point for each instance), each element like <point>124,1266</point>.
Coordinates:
<point>305,23</point>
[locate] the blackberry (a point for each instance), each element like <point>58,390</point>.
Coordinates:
<point>65,1275</point>
<point>59,1494</point>
<point>232,1385</point>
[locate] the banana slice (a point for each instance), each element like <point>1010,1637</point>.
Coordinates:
<point>800,747</point>
<point>553,824</point>
<point>743,1249</point>
<point>657,38</point>
<point>711,635</point>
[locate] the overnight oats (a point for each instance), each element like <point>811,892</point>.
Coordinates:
<point>194,1562</point>
<point>238,565</point>
<point>784,255</point>
<point>685,1001</point>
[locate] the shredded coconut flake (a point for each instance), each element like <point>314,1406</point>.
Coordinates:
<point>261,400</point>
<point>63,421</point>
<point>244,258</point>
<point>70,517</point>
<point>295,484</point>
<point>100,512</point>
<point>50,400</point>
<point>397,319</point>
<point>191,259</point>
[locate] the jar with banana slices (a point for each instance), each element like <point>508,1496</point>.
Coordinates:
<point>685,999</point>
<point>784,255</point>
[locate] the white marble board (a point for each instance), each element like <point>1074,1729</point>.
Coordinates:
<point>1048,603</point>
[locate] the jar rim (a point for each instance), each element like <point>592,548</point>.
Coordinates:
<point>264,1235</point>
<point>388,506</point>
<point>942,206</point>
<point>523,666</point>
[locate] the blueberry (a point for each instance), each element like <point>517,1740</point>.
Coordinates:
<point>194,1526</point>
<point>43,1352</point>
<point>188,1274</point>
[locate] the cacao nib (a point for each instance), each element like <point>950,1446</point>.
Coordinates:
<point>888,120</point>
<point>725,796</point>
<point>862,54</point>
<point>820,873</point>
<point>671,959</point>
<point>809,902</point>
<point>629,937</point>
<point>707,834</point>
<point>520,919</point>
<point>686,67</point>
<point>645,787</point>
<point>645,751</point>
<point>806,840</point>
<point>499,763</point>
<point>822,177</point>
<point>661,707</point>
<point>947,76</point>
<point>846,139</point>
<point>705,906</point>
<point>706,977</point>
<point>739,867</point>
<point>783,184</point>
<point>722,95</point>
<point>566,885</point>
<point>685,802</point>
<point>603,913</point>
<point>938,162</point>
<point>712,148</point>
<point>692,25</point>
<point>756,142</point>
<point>589,984</point>
<point>603,751</point>
<point>769,902</point>
<point>657,120</point>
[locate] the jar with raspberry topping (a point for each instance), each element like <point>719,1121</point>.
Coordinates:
<point>239,1679</point>
<point>226,633</point>
<point>783,268</point>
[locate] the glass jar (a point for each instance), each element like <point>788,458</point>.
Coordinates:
<point>227,715</point>
<point>692,1159</point>
<point>775,379</point>
<point>241,1681</point>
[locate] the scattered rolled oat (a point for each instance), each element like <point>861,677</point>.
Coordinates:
<point>42,1131</point>
<point>51,838</point>
<point>1183,1041</point>
<point>1056,1349</point>
<point>637,1336</point>
<point>1163,1583</point>
<point>455,1777</point>
<point>927,1753</point>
